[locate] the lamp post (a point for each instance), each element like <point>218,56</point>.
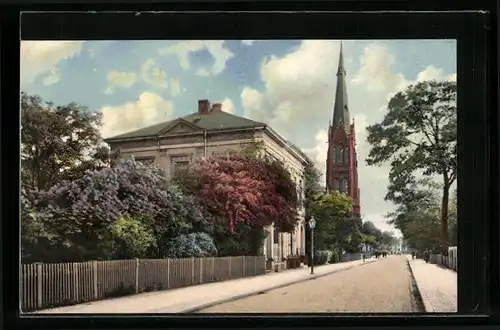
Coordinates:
<point>312,224</point>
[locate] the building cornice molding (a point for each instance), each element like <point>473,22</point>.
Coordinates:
<point>284,144</point>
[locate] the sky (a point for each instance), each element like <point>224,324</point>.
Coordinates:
<point>288,84</point>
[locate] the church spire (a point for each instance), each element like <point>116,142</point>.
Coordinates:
<point>341,108</point>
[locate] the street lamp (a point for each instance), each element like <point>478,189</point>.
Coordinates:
<point>312,224</point>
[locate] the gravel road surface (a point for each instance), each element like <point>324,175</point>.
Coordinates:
<point>385,286</point>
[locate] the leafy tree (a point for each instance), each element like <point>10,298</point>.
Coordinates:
<point>453,220</point>
<point>87,218</point>
<point>370,230</point>
<point>422,231</point>
<point>245,189</point>
<point>58,142</point>
<point>312,188</point>
<point>335,226</point>
<point>369,240</point>
<point>419,133</point>
<point>388,239</point>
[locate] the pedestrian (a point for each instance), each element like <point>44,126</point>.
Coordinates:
<point>363,256</point>
<point>426,255</point>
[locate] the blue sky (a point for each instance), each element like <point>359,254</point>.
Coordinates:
<point>289,84</point>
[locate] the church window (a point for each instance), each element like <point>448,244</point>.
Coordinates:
<point>334,154</point>
<point>346,155</point>
<point>338,156</point>
<point>336,184</point>
<point>345,186</point>
<point>341,154</point>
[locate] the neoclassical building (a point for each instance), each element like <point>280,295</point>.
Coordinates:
<point>209,131</point>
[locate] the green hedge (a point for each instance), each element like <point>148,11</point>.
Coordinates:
<point>322,257</point>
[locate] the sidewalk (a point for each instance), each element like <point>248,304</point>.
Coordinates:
<point>192,298</point>
<point>437,286</point>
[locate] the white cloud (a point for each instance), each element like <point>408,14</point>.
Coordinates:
<point>53,77</point>
<point>175,87</point>
<point>247,42</point>
<point>202,72</point>
<point>38,57</point>
<point>149,109</point>
<point>228,105</point>
<point>297,99</point>
<point>120,79</point>
<point>152,75</point>
<point>215,47</point>
<point>375,72</point>
<point>430,73</point>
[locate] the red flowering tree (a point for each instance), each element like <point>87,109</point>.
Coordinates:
<point>245,189</point>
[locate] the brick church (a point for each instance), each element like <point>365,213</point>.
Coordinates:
<point>341,161</point>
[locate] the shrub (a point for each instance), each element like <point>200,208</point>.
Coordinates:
<point>334,258</point>
<point>194,245</point>
<point>322,257</point>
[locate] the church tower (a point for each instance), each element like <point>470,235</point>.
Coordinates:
<point>341,161</point>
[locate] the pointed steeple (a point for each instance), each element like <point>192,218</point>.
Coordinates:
<point>341,106</point>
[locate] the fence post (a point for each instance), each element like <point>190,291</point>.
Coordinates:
<point>255,266</point>
<point>213,268</point>
<point>168,273</point>
<point>94,273</point>
<point>39,282</point>
<point>75,281</point>
<point>137,275</point>
<point>201,270</point>
<point>192,271</point>
<point>229,266</point>
<point>244,266</point>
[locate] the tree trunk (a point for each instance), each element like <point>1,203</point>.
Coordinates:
<point>444,217</point>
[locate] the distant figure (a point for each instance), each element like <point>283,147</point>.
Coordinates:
<point>363,256</point>
<point>426,255</point>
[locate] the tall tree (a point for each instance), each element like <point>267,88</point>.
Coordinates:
<point>312,188</point>
<point>419,134</point>
<point>335,227</point>
<point>58,142</point>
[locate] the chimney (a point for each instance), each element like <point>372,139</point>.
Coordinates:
<point>203,107</point>
<point>217,107</point>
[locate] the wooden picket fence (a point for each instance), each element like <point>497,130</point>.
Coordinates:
<point>59,284</point>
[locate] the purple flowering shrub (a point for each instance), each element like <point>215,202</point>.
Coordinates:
<point>81,219</point>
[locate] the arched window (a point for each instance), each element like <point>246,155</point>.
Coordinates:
<point>341,154</point>
<point>334,154</point>
<point>346,155</point>
<point>336,184</point>
<point>345,186</point>
<point>338,154</point>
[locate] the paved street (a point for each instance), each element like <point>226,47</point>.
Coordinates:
<point>383,286</point>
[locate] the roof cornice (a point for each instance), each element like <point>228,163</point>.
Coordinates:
<point>284,143</point>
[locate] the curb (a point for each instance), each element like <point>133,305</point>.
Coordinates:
<point>423,299</point>
<point>256,292</point>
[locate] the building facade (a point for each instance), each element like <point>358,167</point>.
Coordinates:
<point>341,160</point>
<point>173,145</point>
